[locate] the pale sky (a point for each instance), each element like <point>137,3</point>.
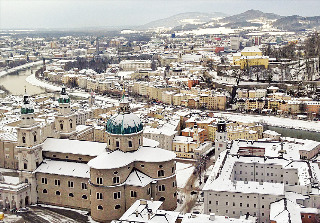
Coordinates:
<point>32,14</point>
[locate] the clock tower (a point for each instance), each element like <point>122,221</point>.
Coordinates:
<point>221,138</point>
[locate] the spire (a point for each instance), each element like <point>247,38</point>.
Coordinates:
<point>64,98</point>
<point>26,108</point>
<point>124,103</point>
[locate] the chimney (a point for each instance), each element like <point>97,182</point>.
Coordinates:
<point>143,202</point>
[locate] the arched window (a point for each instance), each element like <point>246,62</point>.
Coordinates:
<point>58,193</point>
<point>61,126</point>
<point>71,195</point>
<point>70,125</point>
<point>23,139</point>
<point>100,207</point>
<point>117,206</point>
<point>162,199</point>
<point>44,191</point>
<point>84,197</point>
<point>34,138</point>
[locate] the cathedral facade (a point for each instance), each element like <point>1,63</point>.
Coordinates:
<point>103,178</point>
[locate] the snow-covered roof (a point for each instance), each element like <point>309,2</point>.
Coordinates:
<point>118,158</point>
<point>74,147</point>
<point>251,49</point>
<point>124,123</point>
<point>150,142</point>
<point>64,168</point>
<point>137,178</point>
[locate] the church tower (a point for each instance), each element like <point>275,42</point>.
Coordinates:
<point>65,120</point>
<point>220,138</point>
<point>29,146</point>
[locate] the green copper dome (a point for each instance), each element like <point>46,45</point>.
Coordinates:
<point>124,123</point>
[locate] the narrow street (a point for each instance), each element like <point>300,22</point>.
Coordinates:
<point>191,199</point>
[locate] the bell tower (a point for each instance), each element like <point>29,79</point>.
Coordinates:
<point>29,146</point>
<point>221,139</point>
<point>65,120</point>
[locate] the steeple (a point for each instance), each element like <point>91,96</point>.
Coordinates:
<point>27,111</point>
<point>124,106</point>
<point>64,102</point>
<point>65,120</point>
<point>221,138</point>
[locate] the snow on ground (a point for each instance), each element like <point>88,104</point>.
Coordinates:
<point>220,30</point>
<point>5,72</point>
<point>272,120</point>
<point>8,218</point>
<point>125,74</point>
<point>91,220</point>
<point>184,171</point>
<point>63,208</point>
<point>34,81</point>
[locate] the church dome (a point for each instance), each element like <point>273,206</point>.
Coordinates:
<point>124,123</point>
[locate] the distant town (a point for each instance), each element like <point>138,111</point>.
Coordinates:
<point>194,118</point>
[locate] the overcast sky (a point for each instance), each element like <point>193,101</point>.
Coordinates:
<point>96,13</point>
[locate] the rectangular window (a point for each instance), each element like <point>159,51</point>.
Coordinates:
<point>116,180</point>
<point>133,193</point>
<point>117,144</point>
<point>161,188</point>
<point>70,183</point>
<point>44,180</point>
<point>117,195</point>
<point>149,191</point>
<point>84,186</point>
<point>160,173</point>
<point>99,196</point>
<point>57,182</point>
<point>130,144</point>
<point>99,180</point>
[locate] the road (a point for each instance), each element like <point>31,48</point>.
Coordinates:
<point>38,214</point>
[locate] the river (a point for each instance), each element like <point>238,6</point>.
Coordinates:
<point>15,82</point>
<point>294,133</point>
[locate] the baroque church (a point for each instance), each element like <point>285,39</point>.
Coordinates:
<point>102,178</point>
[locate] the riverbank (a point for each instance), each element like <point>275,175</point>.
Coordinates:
<point>82,94</point>
<point>312,126</point>
<point>15,69</point>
